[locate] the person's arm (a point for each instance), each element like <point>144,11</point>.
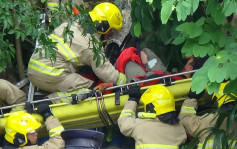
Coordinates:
<point>188,117</point>
<point>55,128</point>
<point>105,71</point>
<point>127,118</point>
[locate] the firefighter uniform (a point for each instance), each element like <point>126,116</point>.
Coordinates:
<point>193,123</point>
<point>150,133</point>
<point>61,75</point>
<point>10,94</point>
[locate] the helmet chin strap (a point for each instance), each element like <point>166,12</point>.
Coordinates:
<point>19,139</point>
<point>28,142</point>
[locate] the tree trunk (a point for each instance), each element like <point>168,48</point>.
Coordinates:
<point>20,64</point>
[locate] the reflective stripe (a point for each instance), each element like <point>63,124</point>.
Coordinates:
<point>209,144</point>
<point>186,109</point>
<point>56,131</point>
<point>64,48</point>
<point>156,146</point>
<point>52,6</point>
<point>41,67</point>
<point>122,79</point>
<point>69,99</point>
<point>127,113</point>
<point>63,99</point>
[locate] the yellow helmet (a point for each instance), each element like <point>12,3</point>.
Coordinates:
<point>160,97</point>
<point>108,15</point>
<point>18,125</point>
<point>221,97</point>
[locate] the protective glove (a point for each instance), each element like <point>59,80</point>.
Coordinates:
<point>134,93</point>
<point>192,95</point>
<point>44,110</point>
<point>101,87</point>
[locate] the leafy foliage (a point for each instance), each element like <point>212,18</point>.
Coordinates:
<point>28,16</point>
<point>204,32</point>
<point>194,28</point>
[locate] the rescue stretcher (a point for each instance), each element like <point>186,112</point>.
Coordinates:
<point>101,110</point>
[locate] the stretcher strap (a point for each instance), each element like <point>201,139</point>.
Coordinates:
<point>104,115</point>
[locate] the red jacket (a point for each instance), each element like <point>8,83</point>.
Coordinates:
<point>129,54</point>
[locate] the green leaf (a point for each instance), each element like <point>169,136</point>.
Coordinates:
<point>229,8</point>
<point>5,25</point>
<point>18,34</point>
<point>193,5</point>
<point>212,87</point>
<point>181,28</point>
<point>200,21</point>
<point>222,56</point>
<point>212,4</point>
<point>166,10</point>
<point>188,29</point>
<point>225,40</point>
<point>47,53</point>
<point>220,140</point>
<point>164,33</point>
<point>215,36</point>
<point>188,48</point>
<point>199,80</point>
<point>210,49</point>
<point>178,40</point>
<point>138,12</point>
<point>204,38</point>
<point>231,48</point>
<point>231,70</point>
<point>22,36</point>
<point>202,50</point>
<point>146,23</point>
<point>182,10</point>
<point>194,32</point>
<point>137,29</point>
<point>98,59</point>
<point>218,16</point>
<point>12,31</point>
<point>10,21</point>
<point>217,73</point>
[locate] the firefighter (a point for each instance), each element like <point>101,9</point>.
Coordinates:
<point>21,130</point>
<point>81,139</point>
<point>10,94</point>
<point>61,77</point>
<point>157,127</point>
<point>193,123</point>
